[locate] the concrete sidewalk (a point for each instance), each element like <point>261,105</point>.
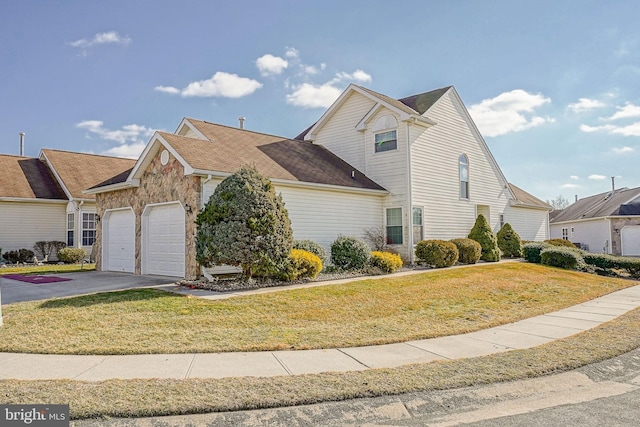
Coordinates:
<point>519,335</point>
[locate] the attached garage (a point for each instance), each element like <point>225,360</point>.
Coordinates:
<point>630,236</point>
<point>163,240</point>
<point>119,240</point>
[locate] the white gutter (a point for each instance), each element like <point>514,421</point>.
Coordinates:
<point>25,200</point>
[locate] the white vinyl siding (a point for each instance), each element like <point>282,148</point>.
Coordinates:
<point>530,224</point>
<point>435,172</point>
<point>593,233</point>
<point>24,223</point>
<point>323,214</point>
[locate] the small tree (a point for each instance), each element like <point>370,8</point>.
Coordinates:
<point>244,223</point>
<point>482,233</point>
<point>509,242</point>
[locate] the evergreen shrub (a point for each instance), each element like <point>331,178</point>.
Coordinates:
<point>313,247</point>
<point>386,261</point>
<point>350,253</point>
<point>509,242</point>
<point>482,233</point>
<point>563,258</point>
<point>437,253</point>
<point>560,242</point>
<point>469,251</point>
<point>71,255</point>
<point>531,251</point>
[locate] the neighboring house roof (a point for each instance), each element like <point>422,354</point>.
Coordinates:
<point>623,201</point>
<point>27,178</point>
<point>522,198</point>
<point>226,149</point>
<point>79,171</point>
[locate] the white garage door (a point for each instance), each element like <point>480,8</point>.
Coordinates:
<point>630,236</point>
<point>120,241</point>
<point>165,240</point>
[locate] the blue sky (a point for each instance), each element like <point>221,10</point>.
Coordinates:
<point>553,86</point>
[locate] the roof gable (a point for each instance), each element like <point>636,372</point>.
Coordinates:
<point>27,178</point>
<point>523,198</point>
<point>79,171</point>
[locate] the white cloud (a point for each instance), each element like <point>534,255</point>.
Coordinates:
<point>132,138</point>
<point>597,177</point>
<point>358,75</point>
<point>269,64</point>
<point>292,53</point>
<point>110,37</point>
<point>222,84</point>
<point>167,89</point>
<point>628,111</point>
<point>574,177</point>
<point>313,96</point>
<point>623,150</point>
<point>629,130</point>
<point>569,186</point>
<point>585,104</point>
<point>506,113</point>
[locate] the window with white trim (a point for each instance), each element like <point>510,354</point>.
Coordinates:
<point>565,234</point>
<point>88,228</point>
<point>386,141</point>
<point>463,162</point>
<point>71,219</point>
<point>501,220</point>
<point>418,229</point>
<point>394,226</point>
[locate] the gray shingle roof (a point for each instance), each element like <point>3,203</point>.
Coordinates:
<point>27,178</point>
<point>600,205</point>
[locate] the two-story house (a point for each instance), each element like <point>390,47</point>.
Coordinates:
<point>416,167</point>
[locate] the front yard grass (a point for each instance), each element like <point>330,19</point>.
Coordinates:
<point>365,312</point>
<point>48,269</point>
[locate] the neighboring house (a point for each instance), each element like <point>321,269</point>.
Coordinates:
<point>41,198</point>
<point>416,167</point>
<point>605,223</point>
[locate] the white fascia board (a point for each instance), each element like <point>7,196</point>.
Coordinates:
<point>185,122</point>
<point>113,187</point>
<point>23,200</point>
<point>573,221</point>
<point>150,150</point>
<point>44,157</point>
<point>517,204</point>
<point>404,117</point>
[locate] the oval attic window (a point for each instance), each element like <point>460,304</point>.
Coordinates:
<point>164,157</point>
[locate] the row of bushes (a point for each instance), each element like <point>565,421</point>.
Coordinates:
<point>572,258</point>
<point>64,254</point>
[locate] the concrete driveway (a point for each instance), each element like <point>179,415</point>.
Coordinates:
<point>87,282</point>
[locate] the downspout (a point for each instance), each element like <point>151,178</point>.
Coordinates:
<point>203,270</point>
<point>409,198</point>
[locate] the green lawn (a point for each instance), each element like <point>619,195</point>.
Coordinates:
<point>366,312</point>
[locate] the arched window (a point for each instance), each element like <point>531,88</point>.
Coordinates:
<point>464,176</point>
<point>385,134</point>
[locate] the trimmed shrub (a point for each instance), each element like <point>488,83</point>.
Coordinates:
<point>482,233</point>
<point>604,261</point>
<point>20,255</point>
<point>71,255</point>
<point>560,242</point>
<point>313,247</point>
<point>245,224</point>
<point>386,261</point>
<point>509,242</point>
<point>301,264</point>
<point>437,253</point>
<point>563,258</point>
<point>350,253</point>
<point>632,265</point>
<point>469,251</point>
<point>531,251</point>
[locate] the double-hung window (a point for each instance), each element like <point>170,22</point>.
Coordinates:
<point>70,228</point>
<point>394,226</point>
<point>88,228</point>
<point>565,234</point>
<point>386,141</point>
<point>464,176</point>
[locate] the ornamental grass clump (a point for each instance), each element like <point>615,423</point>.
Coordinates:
<point>350,253</point>
<point>437,253</point>
<point>386,261</point>
<point>482,233</point>
<point>509,242</point>
<point>469,250</point>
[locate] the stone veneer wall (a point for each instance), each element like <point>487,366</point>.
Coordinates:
<point>618,223</point>
<point>158,184</point>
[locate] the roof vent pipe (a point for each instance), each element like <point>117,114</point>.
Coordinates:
<point>241,120</point>
<point>613,185</point>
<point>22,143</point>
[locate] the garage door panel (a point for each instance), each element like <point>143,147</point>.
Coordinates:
<point>630,236</point>
<point>120,238</point>
<point>165,237</point>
